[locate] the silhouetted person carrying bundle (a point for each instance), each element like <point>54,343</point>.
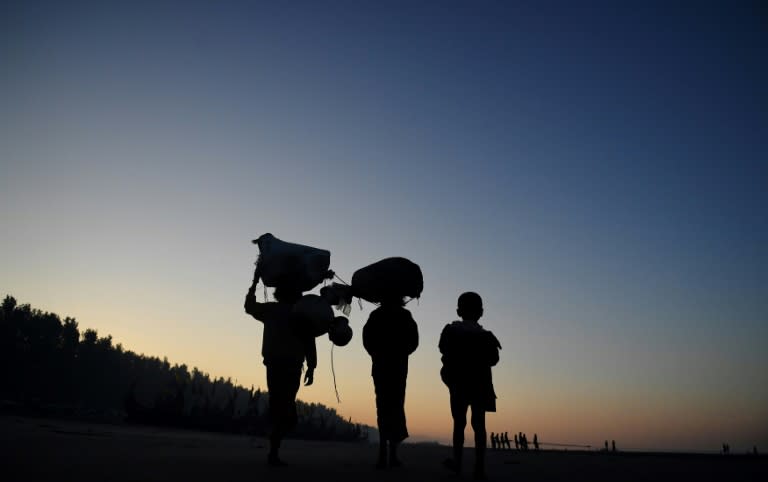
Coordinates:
<point>284,347</point>
<point>389,336</point>
<point>469,351</point>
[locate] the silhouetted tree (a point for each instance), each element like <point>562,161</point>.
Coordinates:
<point>50,366</point>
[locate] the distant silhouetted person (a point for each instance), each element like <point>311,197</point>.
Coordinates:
<point>536,441</point>
<point>469,351</point>
<point>389,336</point>
<point>517,443</point>
<point>606,445</point>
<point>525,442</point>
<point>284,349</point>
<point>613,445</point>
<point>506,441</point>
<point>493,441</point>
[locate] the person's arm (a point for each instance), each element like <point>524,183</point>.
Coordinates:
<point>493,349</point>
<point>253,307</point>
<point>442,345</point>
<point>369,334</point>
<point>310,351</point>
<point>412,339</point>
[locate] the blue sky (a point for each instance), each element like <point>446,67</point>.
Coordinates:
<point>596,172</point>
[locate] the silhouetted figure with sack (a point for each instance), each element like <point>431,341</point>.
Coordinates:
<point>389,336</point>
<point>285,345</point>
<point>469,351</point>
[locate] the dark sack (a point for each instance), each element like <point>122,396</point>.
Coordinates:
<point>291,265</point>
<point>312,314</point>
<point>388,277</point>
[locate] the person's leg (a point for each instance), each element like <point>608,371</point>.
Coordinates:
<point>283,385</point>
<point>478,426</point>
<point>459,415</point>
<point>275,406</point>
<point>399,429</point>
<point>381,419</point>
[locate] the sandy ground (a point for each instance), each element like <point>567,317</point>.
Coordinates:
<point>50,450</point>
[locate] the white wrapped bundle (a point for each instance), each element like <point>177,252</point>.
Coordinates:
<point>291,265</point>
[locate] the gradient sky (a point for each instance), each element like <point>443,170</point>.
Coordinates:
<point>597,173</point>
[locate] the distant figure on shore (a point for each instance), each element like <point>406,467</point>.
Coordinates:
<point>606,445</point>
<point>517,443</point>
<point>493,441</point>
<point>726,449</point>
<point>613,445</point>
<point>389,336</point>
<point>469,351</point>
<point>536,441</point>
<point>506,441</point>
<point>284,350</point>
<point>525,442</point>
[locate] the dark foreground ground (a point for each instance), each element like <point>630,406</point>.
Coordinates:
<point>48,450</point>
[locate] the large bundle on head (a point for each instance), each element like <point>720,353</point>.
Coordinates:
<point>291,265</point>
<point>390,277</point>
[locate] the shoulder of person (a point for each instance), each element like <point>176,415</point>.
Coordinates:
<point>375,314</point>
<point>405,314</point>
<point>452,329</point>
<point>453,326</point>
<point>492,338</point>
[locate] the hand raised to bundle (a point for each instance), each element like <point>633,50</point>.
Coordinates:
<point>256,277</point>
<point>309,377</point>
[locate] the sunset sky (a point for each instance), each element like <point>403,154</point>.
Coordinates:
<point>599,174</point>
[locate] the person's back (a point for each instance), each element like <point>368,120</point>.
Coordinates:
<point>281,343</point>
<point>468,353</point>
<point>285,346</point>
<point>389,336</point>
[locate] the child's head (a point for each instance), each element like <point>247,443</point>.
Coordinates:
<point>470,306</point>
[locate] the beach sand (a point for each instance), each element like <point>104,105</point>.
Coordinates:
<point>53,450</point>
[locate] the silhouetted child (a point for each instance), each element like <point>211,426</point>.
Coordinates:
<point>469,351</point>
<point>284,348</point>
<point>389,336</point>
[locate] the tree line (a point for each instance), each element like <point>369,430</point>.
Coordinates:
<point>50,367</point>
